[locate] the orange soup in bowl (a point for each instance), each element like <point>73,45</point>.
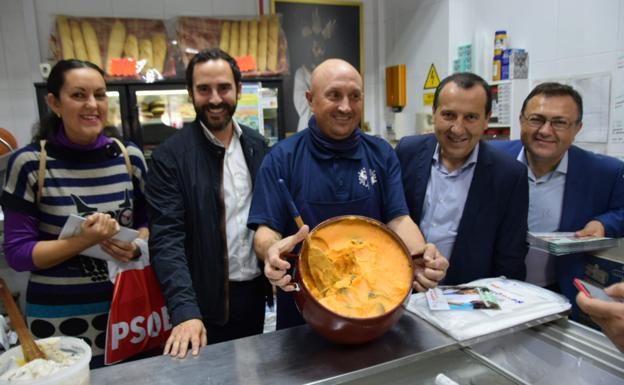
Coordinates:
<point>356,268</point>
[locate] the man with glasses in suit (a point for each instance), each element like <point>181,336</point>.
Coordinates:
<point>570,189</point>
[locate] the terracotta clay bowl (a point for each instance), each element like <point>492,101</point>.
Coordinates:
<point>331,324</point>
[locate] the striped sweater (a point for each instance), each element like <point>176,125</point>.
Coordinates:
<point>73,298</point>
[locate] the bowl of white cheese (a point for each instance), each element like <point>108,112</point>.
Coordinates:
<point>67,363</point>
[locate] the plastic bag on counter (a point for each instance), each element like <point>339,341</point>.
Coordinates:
<point>259,45</point>
<point>520,302</point>
<point>107,41</point>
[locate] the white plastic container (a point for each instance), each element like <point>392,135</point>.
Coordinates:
<point>74,374</point>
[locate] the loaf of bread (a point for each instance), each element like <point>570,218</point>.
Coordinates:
<point>243,32</point>
<point>159,48</point>
<point>263,35</point>
<point>116,40</point>
<point>91,43</point>
<point>253,39</point>
<point>79,45</point>
<point>64,34</point>
<point>224,42</point>
<point>146,53</point>
<point>131,47</point>
<point>273,43</point>
<point>234,34</point>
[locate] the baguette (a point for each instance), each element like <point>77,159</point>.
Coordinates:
<point>273,43</point>
<point>224,42</point>
<point>116,40</point>
<point>91,43</point>
<point>243,32</point>
<point>263,34</point>
<point>131,47</point>
<point>234,38</point>
<point>146,53</point>
<point>159,48</point>
<point>64,33</point>
<point>253,39</point>
<point>79,45</point>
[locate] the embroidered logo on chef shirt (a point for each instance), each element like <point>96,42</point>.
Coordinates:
<point>367,178</point>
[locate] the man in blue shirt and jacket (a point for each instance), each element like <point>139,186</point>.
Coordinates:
<point>469,199</point>
<point>331,169</point>
<point>570,189</point>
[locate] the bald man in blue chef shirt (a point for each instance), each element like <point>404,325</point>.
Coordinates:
<point>570,189</point>
<point>331,168</point>
<point>468,198</point>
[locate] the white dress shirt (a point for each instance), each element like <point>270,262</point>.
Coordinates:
<point>237,189</point>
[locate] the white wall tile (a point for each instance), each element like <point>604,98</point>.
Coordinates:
<point>7,6</point>
<point>45,26</point>
<point>235,8</point>
<point>6,120</point>
<point>48,6</point>
<point>620,44</point>
<point>587,28</point>
<point>3,63</point>
<point>188,8</point>
<point>84,8</point>
<point>15,51</point>
<point>24,113</point>
<point>147,9</point>
<point>573,66</point>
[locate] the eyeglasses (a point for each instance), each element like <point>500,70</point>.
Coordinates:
<point>538,121</point>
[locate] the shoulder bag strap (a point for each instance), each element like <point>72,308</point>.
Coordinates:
<point>124,151</point>
<point>43,157</point>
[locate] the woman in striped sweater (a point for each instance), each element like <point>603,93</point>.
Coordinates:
<point>79,171</point>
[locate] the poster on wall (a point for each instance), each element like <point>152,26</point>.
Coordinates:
<point>616,136</point>
<point>315,31</point>
<point>595,90</point>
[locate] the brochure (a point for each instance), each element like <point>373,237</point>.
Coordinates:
<point>560,243</point>
<point>461,298</point>
<point>72,228</point>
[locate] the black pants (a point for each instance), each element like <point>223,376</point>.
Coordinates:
<point>247,309</point>
<point>287,313</point>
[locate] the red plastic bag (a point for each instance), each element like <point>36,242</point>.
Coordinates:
<point>138,320</point>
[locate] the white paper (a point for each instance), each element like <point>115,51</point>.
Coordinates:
<point>616,137</point>
<point>72,229</point>
<point>520,302</point>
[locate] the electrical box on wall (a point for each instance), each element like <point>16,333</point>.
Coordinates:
<point>396,95</point>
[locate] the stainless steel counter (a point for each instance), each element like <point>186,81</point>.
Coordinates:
<point>411,352</point>
<point>293,356</point>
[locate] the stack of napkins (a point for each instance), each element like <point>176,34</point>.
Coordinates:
<point>518,302</point>
<point>560,243</point>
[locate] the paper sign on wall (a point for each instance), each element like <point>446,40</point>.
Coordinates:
<point>428,98</point>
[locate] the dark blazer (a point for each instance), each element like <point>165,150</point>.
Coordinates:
<point>491,237</point>
<point>186,212</point>
<point>594,189</point>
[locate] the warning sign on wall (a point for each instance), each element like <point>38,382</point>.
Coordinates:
<point>433,80</point>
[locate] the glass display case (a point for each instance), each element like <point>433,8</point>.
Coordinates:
<point>147,113</point>
<point>118,114</point>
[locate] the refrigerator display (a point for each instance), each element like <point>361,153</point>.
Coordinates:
<point>117,115</point>
<point>160,114</point>
<point>147,113</point>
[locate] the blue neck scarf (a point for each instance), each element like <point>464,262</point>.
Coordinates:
<point>338,147</point>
